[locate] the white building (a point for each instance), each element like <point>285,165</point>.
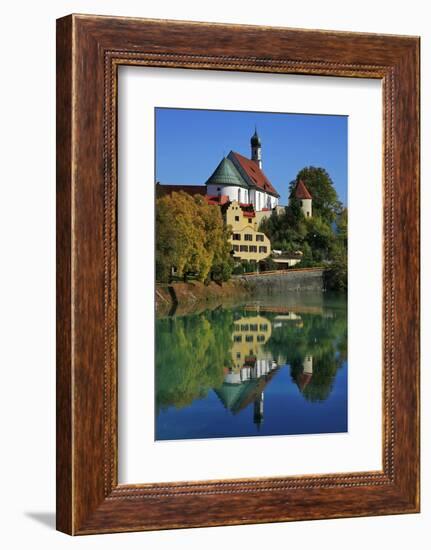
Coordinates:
<point>242,179</point>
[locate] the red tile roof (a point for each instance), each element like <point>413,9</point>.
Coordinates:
<point>301,192</point>
<point>216,200</point>
<point>247,210</point>
<point>303,380</point>
<point>255,174</point>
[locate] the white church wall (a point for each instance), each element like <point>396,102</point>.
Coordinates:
<point>244,195</point>
<point>230,190</point>
<point>273,201</point>
<point>259,199</point>
<point>263,200</point>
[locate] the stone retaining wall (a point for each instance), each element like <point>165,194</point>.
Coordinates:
<point>287,281</point>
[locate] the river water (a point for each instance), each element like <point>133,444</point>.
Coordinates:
<point>276,365</point>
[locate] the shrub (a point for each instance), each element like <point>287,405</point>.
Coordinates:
<point>238,269</point>
<point>268,264</point>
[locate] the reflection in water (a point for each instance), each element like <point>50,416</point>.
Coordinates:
<point>252,368</point>
<point>252,359</point>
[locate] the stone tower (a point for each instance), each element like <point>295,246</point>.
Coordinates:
<point>303,195</point>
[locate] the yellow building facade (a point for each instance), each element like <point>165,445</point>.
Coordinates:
<point>249,358</point>
<point>247,242</point>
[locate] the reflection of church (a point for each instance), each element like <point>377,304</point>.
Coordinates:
<point>252,367</point>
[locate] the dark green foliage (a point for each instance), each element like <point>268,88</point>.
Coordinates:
<point>238,269</point>
<point>250,266</point>
<point>341,222</point>
<point>336,275</point>
<point>268,264</point>
<point>286,231</point>
<point>222,270</point>
<point>320,337</point>
<point>320,238</point>
<point>307,256</point>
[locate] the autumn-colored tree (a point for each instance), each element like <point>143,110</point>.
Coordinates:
<point>172,248</point>
<point>190,237</point>
<point>216,240</point>
<point>192,353</point>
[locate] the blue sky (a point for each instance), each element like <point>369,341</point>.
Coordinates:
<point>190,143</point>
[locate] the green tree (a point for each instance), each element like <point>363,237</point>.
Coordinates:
<point>321,337</point>
<point>320,237</point>
<point>307,256</point>
<point>341,224</point>
<point>286,230</point>
<point>268,264</point>
<point>335,277</point>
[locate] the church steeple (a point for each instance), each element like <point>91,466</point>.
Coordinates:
<point>256,149</point>
<point>258,411</point>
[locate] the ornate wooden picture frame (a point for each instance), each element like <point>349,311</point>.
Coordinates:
<point>89,51</point>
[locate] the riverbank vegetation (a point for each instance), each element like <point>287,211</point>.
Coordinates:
<point>322,238</point>
<point>192,241</point>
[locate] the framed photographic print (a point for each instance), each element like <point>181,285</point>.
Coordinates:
<point>237,275</point>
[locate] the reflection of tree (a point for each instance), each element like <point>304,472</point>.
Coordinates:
<point>191,354</point>
<point>319,387</point>
<point>322,337</point>
<point>195,353</point>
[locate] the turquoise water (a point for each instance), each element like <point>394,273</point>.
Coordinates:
<point>273,366</point>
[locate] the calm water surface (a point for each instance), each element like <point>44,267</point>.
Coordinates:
<point>274,366</point>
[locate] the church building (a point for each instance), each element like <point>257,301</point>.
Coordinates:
<point>242,179</point>
<point>246,197</point>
